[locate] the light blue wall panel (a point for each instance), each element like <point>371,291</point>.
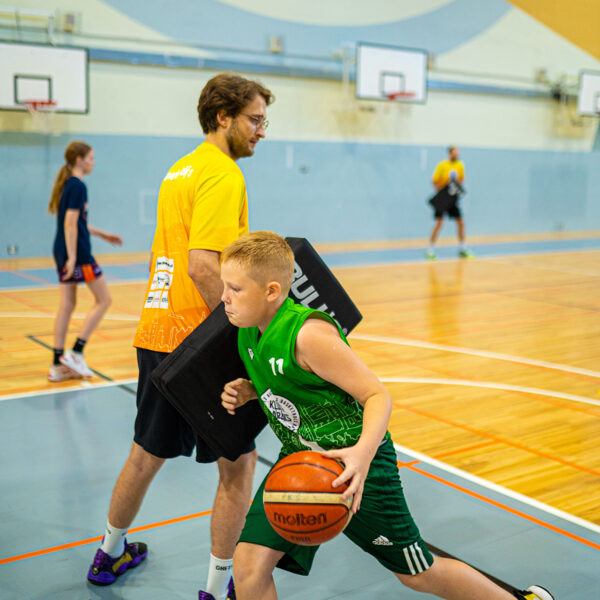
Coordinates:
<point>325,191</point>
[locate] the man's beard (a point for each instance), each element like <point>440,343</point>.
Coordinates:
<point>238,147</point>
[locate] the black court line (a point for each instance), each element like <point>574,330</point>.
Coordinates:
<point>435,550</point>
<point>101,375</point>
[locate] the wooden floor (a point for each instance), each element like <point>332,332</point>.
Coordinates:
<point>493,364</point>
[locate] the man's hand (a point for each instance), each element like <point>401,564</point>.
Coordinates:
<point>236,394</point>
<point>356,467</point>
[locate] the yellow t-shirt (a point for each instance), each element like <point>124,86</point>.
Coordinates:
<point>441,175</point>
<point>202,205</point>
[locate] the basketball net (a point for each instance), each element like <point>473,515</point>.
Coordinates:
<point>400,96</point>
<point>42,114</point>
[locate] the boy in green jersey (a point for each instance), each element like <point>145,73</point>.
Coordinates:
<point>317,394</point>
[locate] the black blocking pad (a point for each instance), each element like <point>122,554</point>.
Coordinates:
<point>192,377</point>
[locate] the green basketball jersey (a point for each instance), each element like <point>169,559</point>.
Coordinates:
<point>305,411</point>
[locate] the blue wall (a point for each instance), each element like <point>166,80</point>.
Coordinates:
<point>325,191</point>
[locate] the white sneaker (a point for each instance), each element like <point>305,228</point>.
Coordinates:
<point>76,362</point>
<point>61,373</point>
<point>535,592</point>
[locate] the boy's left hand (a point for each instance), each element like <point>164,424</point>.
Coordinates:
<point>356,467</point>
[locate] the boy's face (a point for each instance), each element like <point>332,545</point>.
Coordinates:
<point>246,301</point>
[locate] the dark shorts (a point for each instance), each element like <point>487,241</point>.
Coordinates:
<point>82,273</point>
<point>159,428</point>
<point>383,527</point>
<point>453,211</point>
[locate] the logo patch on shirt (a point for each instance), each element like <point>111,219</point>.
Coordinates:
<point>251,354</point>
<point>282,409</point>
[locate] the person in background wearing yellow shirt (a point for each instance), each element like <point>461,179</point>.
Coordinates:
<point>448,179</point>
<point>202,208</point>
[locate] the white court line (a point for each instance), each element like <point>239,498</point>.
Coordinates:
<point>83,385</point>
<point>40,315</point>
<point>472,352</point>
<point>54,286</point>
<point>491,385</point>
<point>498,488</point>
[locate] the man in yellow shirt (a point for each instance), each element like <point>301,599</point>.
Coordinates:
<point>202,208</point>
<point>448,178</point>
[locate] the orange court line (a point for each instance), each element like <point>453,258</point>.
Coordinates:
<point>496,438</point>
<point>464,449</point>
<point>97,538</point>
<point>30,277</point>
<point>408,464</point>
<point>507,508</point>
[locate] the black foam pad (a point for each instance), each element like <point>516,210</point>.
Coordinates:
<point>192,377</point>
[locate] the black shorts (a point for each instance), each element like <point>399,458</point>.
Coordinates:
<point>452,211</point>
<point>159,428</point>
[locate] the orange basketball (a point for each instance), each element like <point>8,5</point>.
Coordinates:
<point>299,501</point>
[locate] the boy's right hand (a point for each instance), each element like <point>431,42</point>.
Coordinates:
<point>237,393</point>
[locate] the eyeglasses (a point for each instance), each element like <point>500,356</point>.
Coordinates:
<point>258,122</point>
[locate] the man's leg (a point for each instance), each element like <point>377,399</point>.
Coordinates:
<point>133,482</point>
<point>433,238</point>
<point>460,226</point>
<point>232,500</point>
<point>253,568</point>
<point>231,504</point>
<point>114,557</point>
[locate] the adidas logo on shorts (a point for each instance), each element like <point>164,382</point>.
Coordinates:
<point>382,541</point>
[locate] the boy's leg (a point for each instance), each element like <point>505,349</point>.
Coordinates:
<point>454,580</point>
<point>253,568</point>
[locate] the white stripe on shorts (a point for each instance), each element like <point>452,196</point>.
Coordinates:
<point>417,563</point>
<point>425,563</point>
<point>408,561</point>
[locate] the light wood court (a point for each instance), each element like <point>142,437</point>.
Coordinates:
<point>494,367</point>
<point>493,364</point>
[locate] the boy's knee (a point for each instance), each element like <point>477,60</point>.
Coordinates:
<point>421,582</point>
<point>243,564</point>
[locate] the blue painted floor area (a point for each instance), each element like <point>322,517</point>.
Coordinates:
<point>139,271</point>
<point>60,457</point>
<point>348,259</point>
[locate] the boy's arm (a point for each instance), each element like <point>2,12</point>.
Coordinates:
<point>237,393</point>
<point>321,350</point>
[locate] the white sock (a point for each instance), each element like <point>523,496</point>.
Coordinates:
<point>220,571</point>
<point>463,247</point>
<point>114,540</point>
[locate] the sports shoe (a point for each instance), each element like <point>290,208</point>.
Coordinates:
<point>230,593</point>
<point>105,569</point>
<point>430,255</point>
<point>76,362</point>
<point>534,592</point>
<point>61,373</point>
<point>466,254</point>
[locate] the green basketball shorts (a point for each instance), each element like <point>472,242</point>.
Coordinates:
<point>383,526</point>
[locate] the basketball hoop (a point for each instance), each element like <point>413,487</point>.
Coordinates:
<point>35,106</point>
<point>42,113</point>
<point>400,96</point>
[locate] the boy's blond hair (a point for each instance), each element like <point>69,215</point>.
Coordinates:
<point>265,256</point>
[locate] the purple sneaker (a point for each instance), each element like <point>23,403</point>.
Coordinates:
<point>230,593</point>
<point>105,569</point>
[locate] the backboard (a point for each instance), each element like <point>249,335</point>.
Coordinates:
<point>588,99</point>
<point>391,72</point>
<point>44,73</point>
